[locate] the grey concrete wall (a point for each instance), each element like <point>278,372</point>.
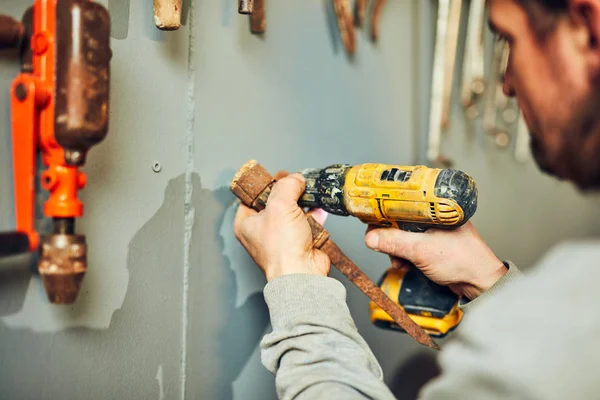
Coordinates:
<point>171,306</point>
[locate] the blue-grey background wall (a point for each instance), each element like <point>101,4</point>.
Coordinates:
<point>171,305</point>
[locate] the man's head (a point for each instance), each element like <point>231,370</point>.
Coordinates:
<point>554,72</point>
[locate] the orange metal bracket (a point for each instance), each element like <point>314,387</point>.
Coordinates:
<point>23,100</point>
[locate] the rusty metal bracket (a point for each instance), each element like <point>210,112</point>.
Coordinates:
<point>252,185</point>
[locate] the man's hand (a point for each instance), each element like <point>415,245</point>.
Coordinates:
<point>459,259</point>
<point>279,237</point>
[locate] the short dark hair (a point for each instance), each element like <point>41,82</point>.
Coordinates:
<point>549,5</point>
<point>543,14</point>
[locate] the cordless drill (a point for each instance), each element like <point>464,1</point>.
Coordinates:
<point>412,198</point>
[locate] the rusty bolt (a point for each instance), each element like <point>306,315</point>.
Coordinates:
<point>21,92</point>
<point>40,43</point>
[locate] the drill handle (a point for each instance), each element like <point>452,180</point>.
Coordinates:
<point>421,296</point>
<point>410,227</point>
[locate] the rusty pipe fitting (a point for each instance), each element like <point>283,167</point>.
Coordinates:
<point>63,264</point>
<point>11,32</point>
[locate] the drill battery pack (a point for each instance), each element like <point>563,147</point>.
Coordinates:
<point>431,306</point>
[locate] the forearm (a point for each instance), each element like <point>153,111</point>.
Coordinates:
<point>315,350</point>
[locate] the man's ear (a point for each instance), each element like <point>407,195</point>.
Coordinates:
<point>585,15</point>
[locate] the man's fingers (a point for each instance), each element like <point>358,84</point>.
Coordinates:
<point>288,190</point>
<point>243,212</point>
<point>319,215</point>
<point>396,242</point>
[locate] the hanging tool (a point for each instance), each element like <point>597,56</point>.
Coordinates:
<point>360,8</point>
<point>436,107</point>
<point>258,19</point>
<point>522,141</point>
<point>412,198</point>
<point>473,81</point>
<point>361,12</point>
<point>255,9</point>
<point>376,18</point>
<point>59,105</point>
<point>167,14</point>
<point>500,112</point>
<point>252,185</point>
<point>343,14</point>
<point>453,27</point>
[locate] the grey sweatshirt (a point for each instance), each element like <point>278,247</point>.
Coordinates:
<point>535,337</point>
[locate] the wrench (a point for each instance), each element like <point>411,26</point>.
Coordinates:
<point>453,26</point>
<point>434,155</point>
<point>473,81</point>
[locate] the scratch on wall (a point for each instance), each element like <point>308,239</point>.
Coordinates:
<point>160,379</point>
<point>188,207</point>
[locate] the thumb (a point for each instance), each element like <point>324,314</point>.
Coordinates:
<point>395,242</point>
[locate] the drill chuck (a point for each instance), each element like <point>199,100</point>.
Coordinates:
<point>325,189</point>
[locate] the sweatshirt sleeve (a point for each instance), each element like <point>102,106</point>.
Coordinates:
<point>315,350</point>
<point>511,275</point>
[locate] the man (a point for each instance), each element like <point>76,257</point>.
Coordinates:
<point>532,338</point>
